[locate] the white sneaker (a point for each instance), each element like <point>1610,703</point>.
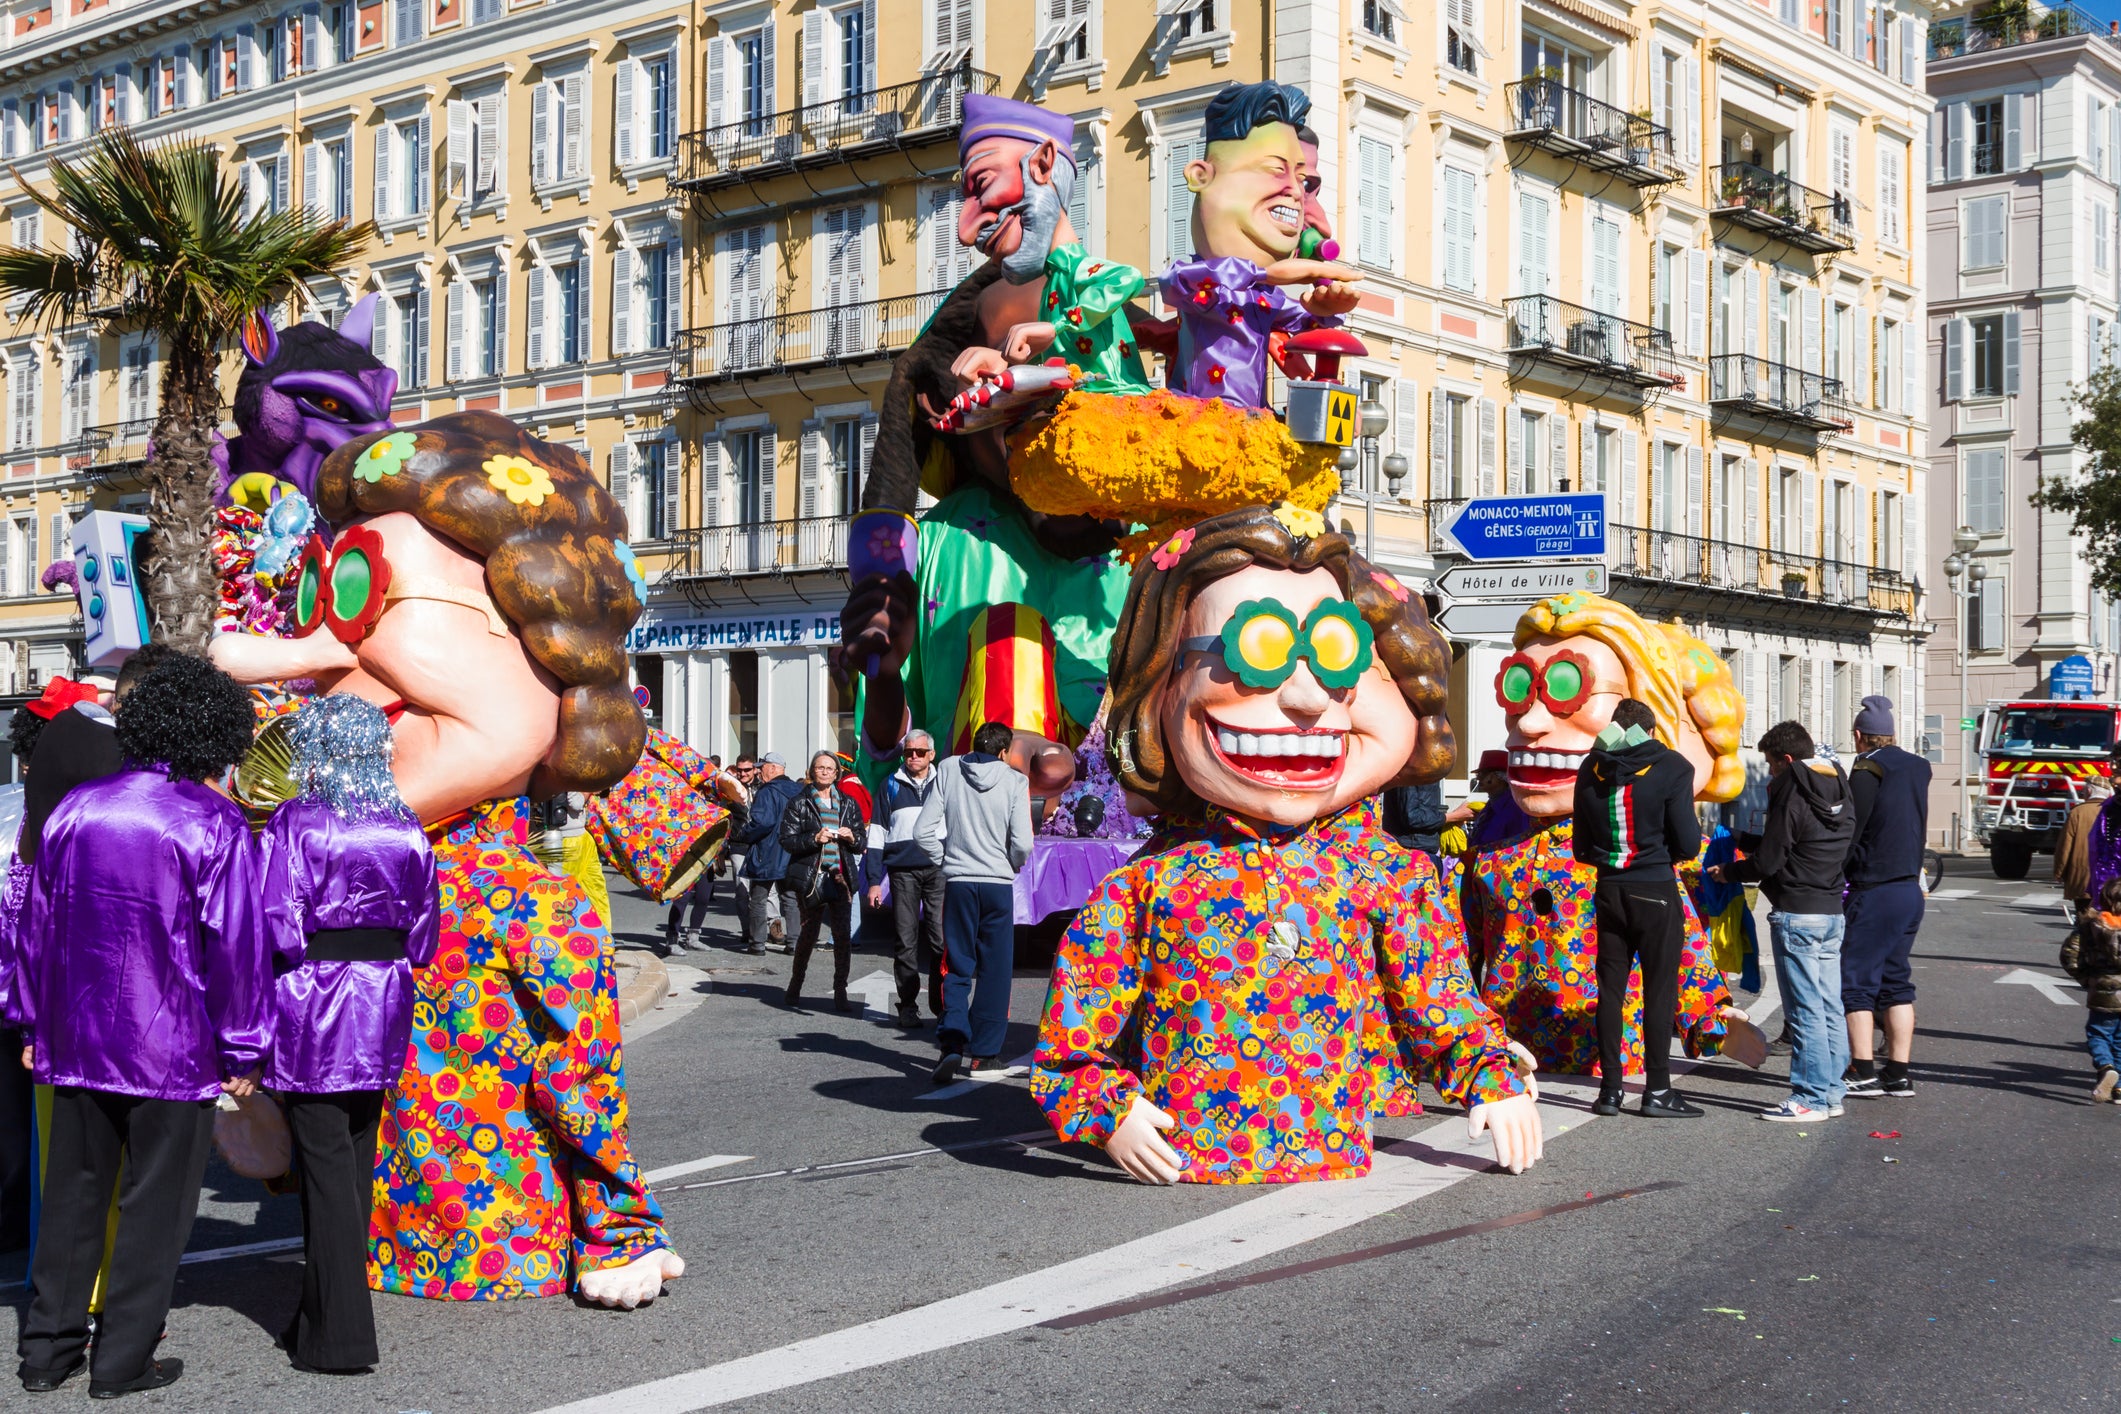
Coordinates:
<point>1794,1111</point>
<point>1835,1112</point>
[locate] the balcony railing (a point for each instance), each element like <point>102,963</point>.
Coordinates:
<point>928,109</point>
<point>1769,202</point>
<point>2002,26</point>
<point>1637,552</point>
<point>773,343</point>
<point>1571,336</point>
<point>783,547</point>
<point>1569,124</point>
<point>1779,392</point>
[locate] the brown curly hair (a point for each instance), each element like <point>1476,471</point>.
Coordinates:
<point>551,568</point>
<point>1146,647</point>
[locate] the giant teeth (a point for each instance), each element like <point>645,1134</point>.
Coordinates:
<point>1227,740</point>
<point>1247,744</point>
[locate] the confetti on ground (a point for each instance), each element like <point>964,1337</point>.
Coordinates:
<point>1810,1278</point>
<point>1884,1134</point>
<point>1774,1210</point>
<point>1587,1194</point>
<point>1724,1311</point>
<point>1891,1160</point>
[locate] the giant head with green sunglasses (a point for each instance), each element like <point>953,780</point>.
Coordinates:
<point>1264,668</point>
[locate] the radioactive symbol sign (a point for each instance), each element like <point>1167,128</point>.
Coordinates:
<point>1340,417</point>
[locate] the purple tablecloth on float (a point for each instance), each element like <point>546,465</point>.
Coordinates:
<point>1063,872</point>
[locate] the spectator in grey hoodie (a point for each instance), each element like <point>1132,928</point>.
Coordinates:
<point>977,825</point>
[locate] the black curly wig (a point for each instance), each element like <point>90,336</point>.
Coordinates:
<point>23,729</point>
<point>187,715</point>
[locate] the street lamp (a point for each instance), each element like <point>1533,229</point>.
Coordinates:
<point>1964,574</point>
<point>1372,422</point>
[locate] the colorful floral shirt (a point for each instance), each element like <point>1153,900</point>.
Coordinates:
<point>1227,313</point>
<point>1265,989</point>
<point>503,1168</point>
<point>1086,301</point>
<point>1534,938</point>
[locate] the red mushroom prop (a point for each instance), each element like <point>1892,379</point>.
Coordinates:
<point>1328,347</point>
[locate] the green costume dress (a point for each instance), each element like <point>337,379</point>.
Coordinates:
<point>1086,300</point>
<point>977,551</point>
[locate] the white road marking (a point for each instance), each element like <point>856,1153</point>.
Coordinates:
<point>712,1161</point>
<point>2041,982</point>
<point>1017,1069</point>
<point>1946,895</point>
<point>2048,900</point>
<point>685,994</point>
<point>879,994</point>
<point>1242,1233</point>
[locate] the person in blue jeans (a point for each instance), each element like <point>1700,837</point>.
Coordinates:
<point>977,825</point>
<point>1798,858</point>
<point>2092,955</point>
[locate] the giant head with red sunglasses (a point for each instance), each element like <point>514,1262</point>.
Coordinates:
<point>1577,656</point>
<point>477,590</point>
<point>1262,667</point>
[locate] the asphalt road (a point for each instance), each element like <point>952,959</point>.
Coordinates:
<point>1970,1263</point>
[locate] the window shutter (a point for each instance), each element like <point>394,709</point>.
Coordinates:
<point>1955,342</point>
<point>2010,353</point>
<point>868,46</point>
<point>1557,448</point>
<point>1811,331</point>
<point>1374,206</point>
<point>1752,500</point>
<point>674,285</point>
<point>500,317</point>
<point>666,463</point>
<point>541,169</point>
<point>574,136</point>
<point>766,59</point>
<point>456,331</point>
<point>1881,391</point>
<point>1830,526</point>
<point>1859,351</point>
<point>459,146</point>
<point>1955,142</point>
<point>813,58</point>
<point>813,434</point>
<point>768,468</point>
<point>1693,109</point>
<point>1440,485</point>
<point>1630,473</point>
<point>622,487</point>
<point>2013,143</point>
<point>1487,446</point>
<point>311,206</point>
<point>584,284</point>
<point>1178,199</point>
<point>1590,473</point>
<point>1697,303</point>
<point>1694,508</point>
<point>1660,507</point>
<point>622,301</point>
<point>1752,315</point>
<point>1406,419</point>
<point>246,58</point>
<point>711,481</point>
<point>1808,530</point>
<point>283,181</point>
<point>1513,459</point>
<point>1079,193</point>
<point>536,349</point>
<point>627,80</point>
<point>1534,267</point>
<point>490,140</point>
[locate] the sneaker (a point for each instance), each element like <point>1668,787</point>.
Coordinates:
<point>1835,1111</point>
<point>1793,1111</point>
<point>909,1018</point>
<point>1899,1089</point>
<point>1668,1104</point>
<point>672,947</point>
<point>1607,1103</point>
<point>946,1069</point>
<point>2104,1090</point>
<point>1862,1087</point>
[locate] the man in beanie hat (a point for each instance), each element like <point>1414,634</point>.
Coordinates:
<point>1891,788</point>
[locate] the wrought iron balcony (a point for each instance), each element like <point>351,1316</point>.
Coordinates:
<point>1639,553</point>
<point>777,343</point>
<point>2002,25</point>
<point>1778,392</point>
<point>1772,204</point>
<point>1573,337</point>
<point>113,450</point>
<point>927,110</point>
<point>809,545</point>
<point>1559,120</point>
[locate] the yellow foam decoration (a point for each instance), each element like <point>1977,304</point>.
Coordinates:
<point>1163,461</point>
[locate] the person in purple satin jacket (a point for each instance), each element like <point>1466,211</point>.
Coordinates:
<point>350,909</point>
<point>142,985</point>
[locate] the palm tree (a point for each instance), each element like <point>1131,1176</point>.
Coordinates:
<point>160,243</point>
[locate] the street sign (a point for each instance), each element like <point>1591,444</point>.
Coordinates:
<point>1517,579</point>
<point>1482,618</point>
<point>1558,527</point>
<point>1967,724</point>
<point>2072,680</point>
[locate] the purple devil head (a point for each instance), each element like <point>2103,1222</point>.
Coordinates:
<point>305,389</point>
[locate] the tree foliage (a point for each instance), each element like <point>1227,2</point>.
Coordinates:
<point>2092,497</point>
<point>159,242</point>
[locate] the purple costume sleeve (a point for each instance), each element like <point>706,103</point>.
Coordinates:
<point>2103,849</point>
<point>232,953</point>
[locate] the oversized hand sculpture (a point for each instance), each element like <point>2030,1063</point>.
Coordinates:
<point>1138,1147</point>
<point>1514,1123</point>
<point>635,1284</point>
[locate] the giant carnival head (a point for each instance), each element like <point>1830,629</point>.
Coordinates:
<point>478,590</point>
<point>304,390</point>
<point>1248,187</point>
<point>1017,170</point>
<point>1577,656</point>
<point>1262,667</point>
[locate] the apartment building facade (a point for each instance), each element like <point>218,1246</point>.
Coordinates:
<point>513,156</point>
<point>2025,167</point>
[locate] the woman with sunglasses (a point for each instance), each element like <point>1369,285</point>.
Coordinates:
<point>823,832</point>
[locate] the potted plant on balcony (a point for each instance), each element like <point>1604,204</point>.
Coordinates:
<point>2005,20</point>
<point>1733,189</point>
<point>1793,584</point>
<point>1541,97</point>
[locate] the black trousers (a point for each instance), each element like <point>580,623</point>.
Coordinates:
<point>833,914</point>
<point>335,1151</point>
<point>917,910</point>
<point>1638,919</point>
<point>166,1144</point>
<point>18,1151</point>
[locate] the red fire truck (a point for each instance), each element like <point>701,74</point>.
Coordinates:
<point>2036,757</point>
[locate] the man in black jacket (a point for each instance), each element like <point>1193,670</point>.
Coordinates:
<point>1634,816</point>
<point>1891,788</point>
<point>765,862</point>
<point>1797,858</point>
<point>916,880</point>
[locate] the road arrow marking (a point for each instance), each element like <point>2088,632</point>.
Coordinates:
<point>2049,987</point>
<point>879,993</point>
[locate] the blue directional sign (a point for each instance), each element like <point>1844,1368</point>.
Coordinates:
<point>1561,527</point>
<point>2071,679</point>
